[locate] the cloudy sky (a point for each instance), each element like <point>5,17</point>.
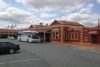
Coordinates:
<point>23,13</point>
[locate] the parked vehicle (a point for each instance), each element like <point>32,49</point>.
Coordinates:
<point>10,37</point>
<point>8,47</point>
<point>28,36</point>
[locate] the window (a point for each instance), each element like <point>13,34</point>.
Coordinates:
<point>3,44</point>
<point>86,37</point>
<point>75,36</point>
<point>9,43</point>
<point>72,36</point>
<point>68,36</point>
<point>65,35</point>
<point>55,34</point>
<point>34,36</point>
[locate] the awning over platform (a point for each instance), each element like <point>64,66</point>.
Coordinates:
<point>93,32</point>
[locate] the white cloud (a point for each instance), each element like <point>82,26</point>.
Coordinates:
<point>87,8</point>
<point>51,4</point>
<point>85,16</point>
<point>3,4</point>
<point>17,16</point>
<point>47,15</point>
<point>75,10</point>
<point>98,1</point>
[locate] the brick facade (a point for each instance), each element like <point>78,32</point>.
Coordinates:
<point>68,31</point>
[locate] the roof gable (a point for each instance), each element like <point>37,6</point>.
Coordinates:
<point>55,22</point>
<point>70,23</point>
<point>31,26</point>
<point>63,22</point>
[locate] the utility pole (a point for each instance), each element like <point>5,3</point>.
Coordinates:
<point>8,31</point>
<point>98,30</point>
<point>98,24</point>
<point>12,28</point>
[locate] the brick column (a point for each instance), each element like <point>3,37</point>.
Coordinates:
<point>81,36</point>
<point>62,34</point>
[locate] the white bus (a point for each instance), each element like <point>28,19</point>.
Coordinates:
<point>28,36</point>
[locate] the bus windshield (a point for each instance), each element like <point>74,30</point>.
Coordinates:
<point>35,35</point>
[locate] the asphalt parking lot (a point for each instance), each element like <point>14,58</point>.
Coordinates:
<point>49,55</point>
<point>22,58</point>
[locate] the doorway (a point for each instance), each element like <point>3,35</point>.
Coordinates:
<point>47,36</point>
<point>94,39</point>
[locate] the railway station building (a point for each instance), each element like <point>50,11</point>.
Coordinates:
<point>61,31</point>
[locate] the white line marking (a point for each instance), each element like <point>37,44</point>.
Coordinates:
<point>19,61</point>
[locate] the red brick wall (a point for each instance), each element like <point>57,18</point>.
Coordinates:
<point>65,29</point>
<point>73,31</point>
<point>88,38</point>
<point>98,37</point>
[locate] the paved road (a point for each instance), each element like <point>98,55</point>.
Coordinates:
<point>48,55</point>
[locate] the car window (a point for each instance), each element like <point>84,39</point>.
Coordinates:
<point>5,44</point>
<point>10,43</point>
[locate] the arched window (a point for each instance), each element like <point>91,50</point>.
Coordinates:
<point>65,36</point>
<point>55,33</point>
<point>68,36</point>
<point>76,36</point>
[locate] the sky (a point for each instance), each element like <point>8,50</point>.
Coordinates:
<point>23,13</point>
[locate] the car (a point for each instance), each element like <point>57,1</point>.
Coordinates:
<point>8,47</point>
<point>10,37</point>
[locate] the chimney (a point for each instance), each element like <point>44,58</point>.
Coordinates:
<point>41,23</point>
<point>46,24</point>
